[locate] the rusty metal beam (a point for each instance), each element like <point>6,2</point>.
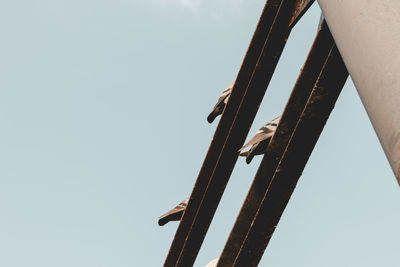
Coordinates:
<point>222,131</point>
<point>260,79</point>
<point>311,69</point>
<point>309,127</point>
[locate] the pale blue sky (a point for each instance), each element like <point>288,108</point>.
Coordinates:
<point>103,111</point>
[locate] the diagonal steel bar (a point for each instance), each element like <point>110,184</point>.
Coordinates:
<point>311,69</point>
<point>309,127</point>
<point>261,77</point>
<point>221,133</point>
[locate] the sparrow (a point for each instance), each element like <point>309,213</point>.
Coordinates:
<point>175,214</point>
<point>260,141</point>
<point>222,100</point>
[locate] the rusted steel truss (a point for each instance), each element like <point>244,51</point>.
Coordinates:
<point>309,127</point>
<point>302,90</point>
<point>277,19</point>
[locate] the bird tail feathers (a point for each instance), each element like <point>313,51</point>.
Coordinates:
<point>169,217</point>
<point>250,157</point>
<point>212,116</point>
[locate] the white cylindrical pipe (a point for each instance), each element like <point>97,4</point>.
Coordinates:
<point>367,33</point>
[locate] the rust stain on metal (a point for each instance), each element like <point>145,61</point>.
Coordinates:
<point>301,7</point>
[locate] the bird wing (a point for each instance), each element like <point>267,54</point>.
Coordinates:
<point>271,125</point>
<point>260,136</point>
<point>181,207</point>
<point>225,95</point>
<point>266,131</point>
<point>220,101</point>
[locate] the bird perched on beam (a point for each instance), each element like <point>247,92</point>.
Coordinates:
<point>222,100</point>
<point>260,141</point>
<point>175,214</point>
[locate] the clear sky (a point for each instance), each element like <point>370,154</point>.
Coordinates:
<point>103,111</point>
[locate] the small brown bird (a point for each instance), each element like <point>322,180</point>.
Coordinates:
<point>175,214</point>
<point>260,141</point>
<point>222,100</point>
